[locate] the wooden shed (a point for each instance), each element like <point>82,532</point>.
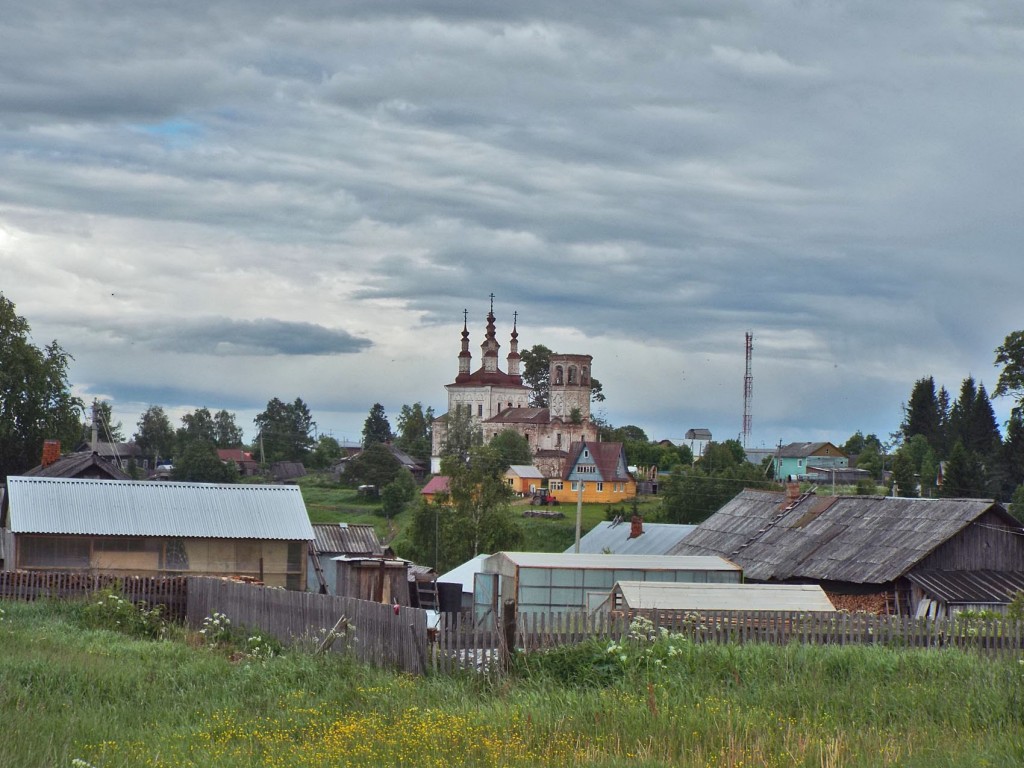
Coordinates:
<point>378,579</point>
<point>863,545</point>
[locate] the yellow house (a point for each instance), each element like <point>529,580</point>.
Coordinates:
<point>600,469</point>
<point>524,479</point>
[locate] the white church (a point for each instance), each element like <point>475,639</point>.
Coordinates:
<point>498,400</point>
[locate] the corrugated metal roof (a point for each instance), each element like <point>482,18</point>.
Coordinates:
<point>859,539</point>
<point>526,471</point>
<point>970,587</point>
<point>674,596</point>
<point>657,539</point>
<point>607,562</point>
<point>129,508</point>
<point>347,538</point>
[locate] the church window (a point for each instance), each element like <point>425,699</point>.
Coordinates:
<point>558,439</point>
<point>572,374</point>
<point>480,409</point>
<point>558,374</point>
<point>583,375</point>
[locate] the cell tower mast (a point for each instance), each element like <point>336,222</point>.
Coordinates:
<point>748,390</point>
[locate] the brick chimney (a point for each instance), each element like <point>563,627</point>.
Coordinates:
<point>636,526</point>
<point>792,491</point>
<point>51,452</point>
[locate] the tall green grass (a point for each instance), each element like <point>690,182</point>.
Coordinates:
<point>68,692</point>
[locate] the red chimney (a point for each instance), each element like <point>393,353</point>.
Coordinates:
<point>636,526</point>
<point>792,491</point>
<point>51,452</point>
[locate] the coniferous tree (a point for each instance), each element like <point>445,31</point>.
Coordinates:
<point>985,438</point>
<point>922,414</point>
<point>376,428</point>
<point>964,476</point>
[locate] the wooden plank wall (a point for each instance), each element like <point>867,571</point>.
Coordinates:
<point>169,591</point>
<point>382,636</point>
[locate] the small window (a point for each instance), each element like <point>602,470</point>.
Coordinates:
<point>600,487</point>
<point>480,409</point>
<point>576,485</point>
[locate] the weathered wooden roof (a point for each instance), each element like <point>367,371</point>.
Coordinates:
<point>347,539</point>
<point>74,464</point>
<point>859,539</point>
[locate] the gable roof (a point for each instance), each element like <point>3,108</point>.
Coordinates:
<point>525,471</point>
<point>803,450</point>
<point>138,508</point>
<point>348,539</point>
<point>859,539</point>
<point>609,458</point>
<point>613,538</point>
<point>74,464</point>
<point>436,484</point>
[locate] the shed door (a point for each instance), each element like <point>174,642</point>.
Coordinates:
<point>485,597</point>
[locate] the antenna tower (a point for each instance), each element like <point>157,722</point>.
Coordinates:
<point>748,390</point>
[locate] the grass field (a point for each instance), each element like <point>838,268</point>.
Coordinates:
<point>75,696</point>
<point>329,502</point>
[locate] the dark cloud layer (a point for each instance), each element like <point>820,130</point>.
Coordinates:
<point>224,336</point>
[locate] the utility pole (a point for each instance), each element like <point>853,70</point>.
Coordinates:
<point>579,513</point>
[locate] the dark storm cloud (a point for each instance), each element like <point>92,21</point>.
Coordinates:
<point>224,336</point>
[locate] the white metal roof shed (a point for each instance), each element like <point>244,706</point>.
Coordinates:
<point>675,596</point>
<point>139,508</point>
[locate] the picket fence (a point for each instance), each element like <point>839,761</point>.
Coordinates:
<point>465,643</point>
<point>399,637</point>
<point>377,634</point>
<point>171,592</point>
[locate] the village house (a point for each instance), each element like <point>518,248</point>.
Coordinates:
<point>595,472</point>
<point>807,461</point>
<point>142,528</point>
<point>904,556</point>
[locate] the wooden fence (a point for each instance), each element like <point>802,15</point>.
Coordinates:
<point>380,635</point>
<point>464,643</point>
<point>171,592</point>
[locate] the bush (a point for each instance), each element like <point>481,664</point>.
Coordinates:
<point>109,609</point>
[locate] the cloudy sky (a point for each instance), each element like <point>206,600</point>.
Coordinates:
<point>216,203</point>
